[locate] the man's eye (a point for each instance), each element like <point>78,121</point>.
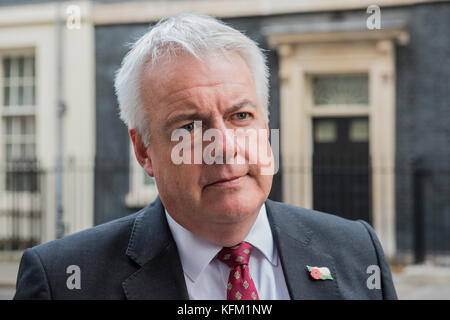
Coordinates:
<point>188,127</point>
<point>242,115</point>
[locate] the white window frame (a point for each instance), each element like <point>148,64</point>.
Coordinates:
<point>14,111</point>
<point>22,201</point>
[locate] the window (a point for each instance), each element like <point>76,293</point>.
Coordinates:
<point>325,131</point>
<point>18,121</point>
<point>18,81</point>
<point>340,89</point>
<point>359,130</point>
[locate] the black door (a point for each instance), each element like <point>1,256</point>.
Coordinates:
<point>341,167</point>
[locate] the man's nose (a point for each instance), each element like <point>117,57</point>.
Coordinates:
<point>229,145</point>
<point>225,147</point>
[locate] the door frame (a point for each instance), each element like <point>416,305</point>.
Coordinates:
<point>346,53</point>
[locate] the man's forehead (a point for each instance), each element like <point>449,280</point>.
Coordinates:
<point>206,67</point>
<point>186,76</point>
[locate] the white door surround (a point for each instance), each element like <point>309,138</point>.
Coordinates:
<point>304,55</point>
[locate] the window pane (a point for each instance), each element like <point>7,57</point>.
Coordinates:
<point>15,125</point>
<point>8,126</point>
<point>343,89</point>
<point>28,95</point>
<point>23,151</point>
<point>6,67</point>
<point>6,96</point>
<point>13,96</point>
<point>30,128</point>
<point>359,130</point>
<point>325,131</point>
<point>33,95</point>
<point>22,125</point>
<point>29,67</point>
<point>30,152</point>
<point>9,152</point>
<point>14,69</point>
<point>21,66</point>
<point>21,93</point>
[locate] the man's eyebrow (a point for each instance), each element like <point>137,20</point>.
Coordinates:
<point>197,115</point>
<point>240,105</point>
<point>183,116</point>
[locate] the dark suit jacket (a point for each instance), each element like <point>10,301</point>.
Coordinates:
<point>135,257</point>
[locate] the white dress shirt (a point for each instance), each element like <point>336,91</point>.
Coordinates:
<point>207,277</point>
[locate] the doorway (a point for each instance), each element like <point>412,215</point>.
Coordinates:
<point>341,167</point>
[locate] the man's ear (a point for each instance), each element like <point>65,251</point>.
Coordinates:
<point>140,152</point>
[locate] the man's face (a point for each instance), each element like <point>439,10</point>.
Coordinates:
<point>220,93</point>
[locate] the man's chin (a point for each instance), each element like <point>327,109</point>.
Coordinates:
<point>228,210</point>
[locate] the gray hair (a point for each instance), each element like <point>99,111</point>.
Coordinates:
<point>195,34</point>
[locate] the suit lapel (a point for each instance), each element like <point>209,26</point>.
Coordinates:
<point>295,244</point>
<point>152,247</point>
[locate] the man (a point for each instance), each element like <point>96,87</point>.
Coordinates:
<point>212,233</point>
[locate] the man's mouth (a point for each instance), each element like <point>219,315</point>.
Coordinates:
<point>227,182</point>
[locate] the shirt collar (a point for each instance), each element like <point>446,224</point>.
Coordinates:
<point>260,236</point>
<point>196,253</point>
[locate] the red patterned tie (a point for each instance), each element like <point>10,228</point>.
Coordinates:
<point>240,284</point>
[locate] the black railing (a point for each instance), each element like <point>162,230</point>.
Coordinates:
<point>20,205</point>
<point>431,210</point>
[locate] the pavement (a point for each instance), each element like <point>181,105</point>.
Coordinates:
<point>8,276</point>
<point>7,293</point>
<point>422,282</point>
<point>413,282</point>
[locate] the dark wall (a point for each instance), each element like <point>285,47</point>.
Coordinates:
<point>112,144</point>
<point>423,121</point>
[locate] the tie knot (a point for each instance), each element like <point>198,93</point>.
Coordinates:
<point>235,256</point>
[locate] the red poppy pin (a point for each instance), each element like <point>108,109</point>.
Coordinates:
<point>317,273</point>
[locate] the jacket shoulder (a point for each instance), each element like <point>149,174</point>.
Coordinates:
<point>113,231</point>
<point>352,245</point>
<point>97,253</point>
<point>324,226</point>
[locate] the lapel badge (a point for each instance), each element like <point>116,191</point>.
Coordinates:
<point>317,273</point>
